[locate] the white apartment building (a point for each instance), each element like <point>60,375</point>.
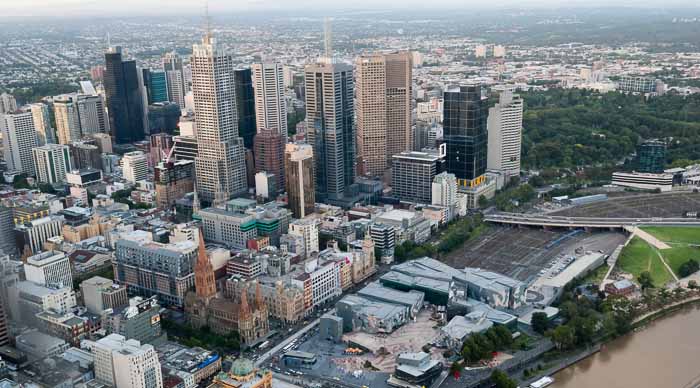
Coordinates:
<point>52,162</point>
<point>307,228</point>
<point>270,104</point>
<point>7,103</point>
<point>35,232</point>
<point>135,166</point>
<point>49,268</point>
<point>19,137</point>
<point>123,363</point>
<point>505,129</point>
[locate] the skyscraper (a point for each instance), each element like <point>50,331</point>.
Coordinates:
<point>245,106</point>
<point>126,363</point>
<point>412,174</point>
<point>269,154</point>
<point>135,166</point>
<point>19,137</point>
<point>7,103</point>
<point>299,169</point>
<point>177,87</point>
<point>465,134</point>
<point>42,124</point>
<point>270,104</point>
<point>52,162</point>
<point>156,83</point>
<point>92,114</point>
<point>651,157</point>
<point>384,109</point>
<point>67,119</point>
<point>124,99</point>
<point>329,122</point>
<point>221,157</point>
<point>505,132</point>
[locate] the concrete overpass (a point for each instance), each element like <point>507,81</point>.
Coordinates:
<point>546,221</point>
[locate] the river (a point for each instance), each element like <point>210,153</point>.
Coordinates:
<point>662,355</point>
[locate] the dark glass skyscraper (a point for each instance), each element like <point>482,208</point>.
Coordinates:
<point>465,134</point>
<point>156,85</point>
<point>124,99</point>
<point>245,105</point>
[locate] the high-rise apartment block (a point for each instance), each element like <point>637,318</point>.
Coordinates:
<point>413,172</point>
<point>125,101</point>
<point>52,162</point>
<point>19,137</point>
<point>177,87</point>
<point>126,363</point>
<point>270,104</point>
<point>269,153</point>
<point>135,166</point>
<point>67,119</point>
<point>299,170</point>
<point>221,156</point>
<point>465,134</point>
<point>330,128</point>
<point>51,268</point>
<point>383,109</point>
<point>505,132</point>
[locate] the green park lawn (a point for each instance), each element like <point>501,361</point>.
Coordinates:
<point>675,234</point>
<point>679,238</point>
<point>638,256</point>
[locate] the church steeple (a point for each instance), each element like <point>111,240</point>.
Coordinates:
<point>245,309</point>
<point>204,280</point>
<point>259,301</point>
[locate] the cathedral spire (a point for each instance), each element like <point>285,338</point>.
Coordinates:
<point>204,280</point>
<point>245,309</point>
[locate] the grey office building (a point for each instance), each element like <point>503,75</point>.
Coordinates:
<point>413,172</point>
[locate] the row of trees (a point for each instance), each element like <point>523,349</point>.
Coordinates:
<point>481,346</point>
<point>204,337</point>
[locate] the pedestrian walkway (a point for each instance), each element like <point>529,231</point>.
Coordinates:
<point>653,241</point>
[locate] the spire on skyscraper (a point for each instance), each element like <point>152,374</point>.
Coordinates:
<point>327,38</point>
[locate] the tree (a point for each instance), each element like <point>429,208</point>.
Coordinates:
<point>563,337</point>
<point>688,268</point>
<point>46,188</point>
<point>501,380</point>
<point>483,202</point>
<point>693,285</point>
<point>645,280</point>
<point>540,322</point>
<point>20,182</point>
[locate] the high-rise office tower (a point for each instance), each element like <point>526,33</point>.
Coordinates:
<point>52,162</point>
<point>651,156</point>
<point>36,232</point>
<point>299,169</point>
<point>329,123</point>
<point>221,157</point>
<point>67,119</point>
<point>124,98</point>
<point>19,137</point>
<point>7,103</point>
<point>383,109</point>
<point>269,154</point>
<point>464,132</point>
<point>92,114</point>
<point>126,363</point>
<point>42,124</point>
<point>49,268</point>
<point>135,166</point>
<point>412,174</point>
<point>245,106</point>
<point>173,179</point>
<point>505,133</point>
<point>7,238</point>
<point>270,104</point>
<point>177,87</point>
<point>156,84</point>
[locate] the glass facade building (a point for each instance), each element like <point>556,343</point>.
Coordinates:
<point>124,98</point>
<point>245,104</point>
<point>465,134</point>
<point>651,156</point>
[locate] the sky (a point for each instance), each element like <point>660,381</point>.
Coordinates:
<point>70,8</point>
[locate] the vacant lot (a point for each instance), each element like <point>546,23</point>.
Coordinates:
<point>638,256</point>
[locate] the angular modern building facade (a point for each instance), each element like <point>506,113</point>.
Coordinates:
<point>125,101</point>
<point>330,127</point>
<point>465,134</point>
<point>221,157</point>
